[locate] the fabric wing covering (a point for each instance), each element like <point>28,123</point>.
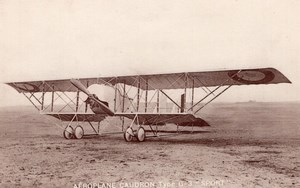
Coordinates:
<point>163,81</point>
<point>145,119</point>
<point>78,117</point>
<point>162,119</point>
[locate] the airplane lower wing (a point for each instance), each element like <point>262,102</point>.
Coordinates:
<point>143,118</point>
<point>182,119</point>
<point>77,116</point>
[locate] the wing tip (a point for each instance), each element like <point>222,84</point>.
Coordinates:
<point>288,81</point>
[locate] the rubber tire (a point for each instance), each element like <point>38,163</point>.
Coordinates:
<point>141,134</point>
<point>68,132</point>
<point>128,134</point>
<point>78,132</point>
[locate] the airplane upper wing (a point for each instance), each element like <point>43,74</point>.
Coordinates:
<point>164,81</point>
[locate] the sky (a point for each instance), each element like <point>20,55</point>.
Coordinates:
<point>56,39</point>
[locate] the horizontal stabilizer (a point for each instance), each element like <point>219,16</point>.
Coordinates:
<point>198,123</point>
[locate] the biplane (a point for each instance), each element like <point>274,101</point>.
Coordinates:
<point>138,98</point>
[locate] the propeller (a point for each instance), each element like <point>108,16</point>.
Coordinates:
<point>82,88</point>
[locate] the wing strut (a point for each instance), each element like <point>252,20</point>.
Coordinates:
<point>212,99</point>
<point>212,92</point>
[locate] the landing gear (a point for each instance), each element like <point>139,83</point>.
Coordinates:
<point>78,132</point>
<point>128,134</point>
<point>140,135</point>
<point>68,132</point>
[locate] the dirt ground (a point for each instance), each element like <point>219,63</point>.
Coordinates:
<point>248,145</point>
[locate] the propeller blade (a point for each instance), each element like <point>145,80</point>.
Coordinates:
<point>80,86</point>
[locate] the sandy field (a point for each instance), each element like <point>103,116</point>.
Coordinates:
<point>248,145</point>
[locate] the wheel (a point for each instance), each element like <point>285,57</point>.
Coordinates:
<point>78,132</point>
<point>68,132</point>
<point>141,134</point>
<point>128,134</point>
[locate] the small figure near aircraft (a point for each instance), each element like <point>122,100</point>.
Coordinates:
<point>138,98</point>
